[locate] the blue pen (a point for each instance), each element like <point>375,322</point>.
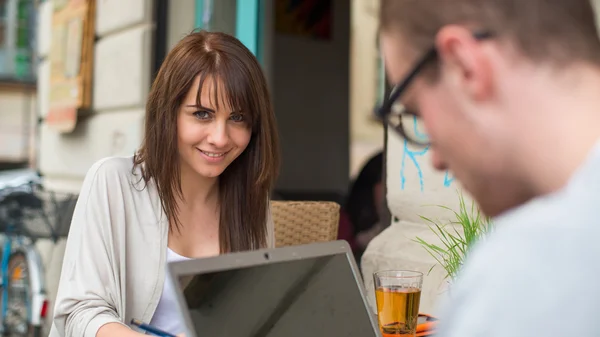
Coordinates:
<point>150,329</point>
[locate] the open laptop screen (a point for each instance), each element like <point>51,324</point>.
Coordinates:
<point>315,296</point>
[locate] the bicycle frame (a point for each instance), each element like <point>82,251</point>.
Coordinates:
<point>6,252</point>
<point>39,296</point>
<point>12,244</point>
<point>38,305</point>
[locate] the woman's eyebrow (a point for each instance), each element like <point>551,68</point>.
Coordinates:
<point>200,107</point>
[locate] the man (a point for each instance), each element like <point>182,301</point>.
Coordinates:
<point>509,94</point>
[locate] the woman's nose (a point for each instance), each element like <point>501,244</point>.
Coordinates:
<point>218,134</point>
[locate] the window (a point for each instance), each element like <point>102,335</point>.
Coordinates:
<point>17,40</point>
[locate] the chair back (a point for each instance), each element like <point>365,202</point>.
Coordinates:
<point>303,222</point>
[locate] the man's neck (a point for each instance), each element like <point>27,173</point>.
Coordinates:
<point>562,129</point>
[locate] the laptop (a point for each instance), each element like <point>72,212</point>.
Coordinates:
<point>309,290</point>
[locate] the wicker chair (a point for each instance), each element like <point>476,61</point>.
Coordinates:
<point>302,222</point>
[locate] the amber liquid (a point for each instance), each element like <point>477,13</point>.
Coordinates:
<point>398,310</point>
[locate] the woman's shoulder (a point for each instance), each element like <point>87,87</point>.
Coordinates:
<point>115,172</point>
<point>113,165</point>
<point>119,183</point>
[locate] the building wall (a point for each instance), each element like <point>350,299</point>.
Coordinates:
<point>122,66</point>
<point>17,123</point>
<point>181,20</point>
<point>366,135</point>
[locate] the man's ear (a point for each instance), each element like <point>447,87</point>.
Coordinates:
<point>465,61</point>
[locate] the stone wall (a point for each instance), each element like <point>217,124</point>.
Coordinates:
<point>17,123</point>
<point>122,73</point>
<point>121,79</point>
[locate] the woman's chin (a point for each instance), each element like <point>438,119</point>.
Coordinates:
<point>208,173</point>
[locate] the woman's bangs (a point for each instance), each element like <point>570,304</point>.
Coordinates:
<point>230,88</point>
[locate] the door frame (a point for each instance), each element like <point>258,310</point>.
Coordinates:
<point>248,22</point>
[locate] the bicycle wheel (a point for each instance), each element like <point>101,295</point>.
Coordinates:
<point>19,297</point>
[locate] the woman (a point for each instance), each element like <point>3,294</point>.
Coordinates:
<point>199,186</point>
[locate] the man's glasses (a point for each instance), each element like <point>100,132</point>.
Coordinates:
<point>404,121</point>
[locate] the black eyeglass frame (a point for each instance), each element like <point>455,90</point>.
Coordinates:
<point>384,113</point>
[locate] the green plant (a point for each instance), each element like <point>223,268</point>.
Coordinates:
<point>454,244</point>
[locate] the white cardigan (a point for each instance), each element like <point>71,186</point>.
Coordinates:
<point>114,264</point>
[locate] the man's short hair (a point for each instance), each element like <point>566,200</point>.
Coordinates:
<point>556,31</point>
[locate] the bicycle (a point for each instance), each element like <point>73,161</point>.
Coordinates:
<point>23,298</point>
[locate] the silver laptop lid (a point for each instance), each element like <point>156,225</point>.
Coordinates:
<point>310,290</point>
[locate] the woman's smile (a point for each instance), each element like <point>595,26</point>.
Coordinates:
<point>213,157</point>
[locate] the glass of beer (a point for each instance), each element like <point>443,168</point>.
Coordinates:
<point>398,293</point>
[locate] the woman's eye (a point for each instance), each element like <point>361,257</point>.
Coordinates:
<point>202,114</point>
<point>237,117</point>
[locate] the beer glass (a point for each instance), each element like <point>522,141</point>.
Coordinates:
<point>398,293</point>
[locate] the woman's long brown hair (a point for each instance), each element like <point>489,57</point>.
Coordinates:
<point>245,185</point>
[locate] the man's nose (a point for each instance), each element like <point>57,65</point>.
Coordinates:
<point>437,161</point>
<point>218,135</point>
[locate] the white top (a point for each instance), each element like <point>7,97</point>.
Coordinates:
<point>167,316</point>
<point>537,274</point>
<point>115,257</point>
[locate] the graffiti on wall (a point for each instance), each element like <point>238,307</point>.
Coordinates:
<point>411,155</point>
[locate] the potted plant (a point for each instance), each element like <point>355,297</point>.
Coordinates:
<point>455,244</point>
